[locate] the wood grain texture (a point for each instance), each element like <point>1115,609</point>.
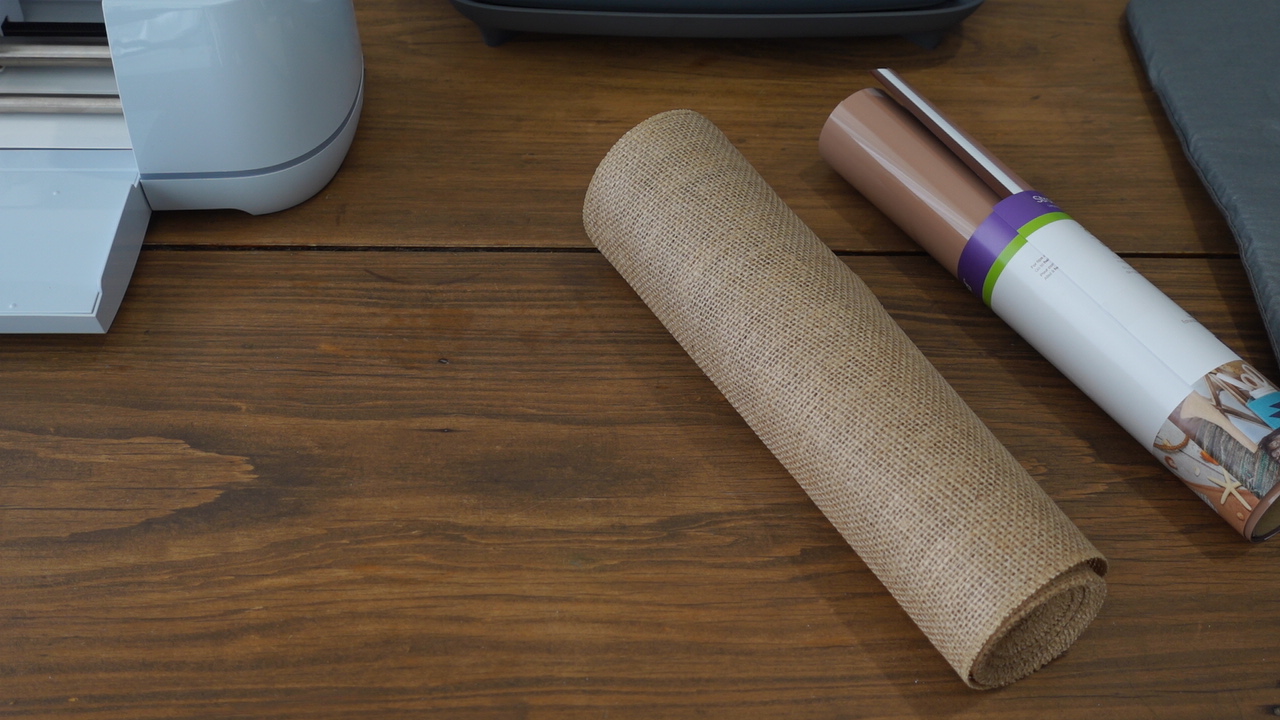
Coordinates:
<point>466,145</point>
<point>490,485</point>
<point>411,450</point>
<point>59,486</point>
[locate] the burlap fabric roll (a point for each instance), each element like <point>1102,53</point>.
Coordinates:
<point>982,560</point>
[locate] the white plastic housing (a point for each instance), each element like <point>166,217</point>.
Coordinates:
<point>246,104</point>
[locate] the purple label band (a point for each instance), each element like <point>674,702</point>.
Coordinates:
<point>1000,237</point>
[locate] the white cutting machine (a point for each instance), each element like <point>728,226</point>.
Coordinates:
<point>110,109</point>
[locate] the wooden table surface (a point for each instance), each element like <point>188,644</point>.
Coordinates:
<point>414,449</point>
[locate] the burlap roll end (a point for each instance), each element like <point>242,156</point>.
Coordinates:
<point>1044,627</point>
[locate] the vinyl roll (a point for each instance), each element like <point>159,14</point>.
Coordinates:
<point>981,559</point>
<point>903,170</point>
<point>1194,403</point>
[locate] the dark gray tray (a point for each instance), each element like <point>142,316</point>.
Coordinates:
<point>737,7</point>
<point>925,26</point>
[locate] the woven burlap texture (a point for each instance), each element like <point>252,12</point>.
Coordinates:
<point>982,560</point>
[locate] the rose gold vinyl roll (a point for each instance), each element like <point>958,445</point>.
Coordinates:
<point>905,171</point>
<point>981,559</point>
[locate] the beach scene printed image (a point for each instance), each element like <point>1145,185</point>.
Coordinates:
<point>1223,440</point>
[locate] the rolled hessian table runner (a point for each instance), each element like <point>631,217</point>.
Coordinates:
<point>982,560</point>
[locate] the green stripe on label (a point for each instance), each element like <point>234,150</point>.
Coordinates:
<point>1012,249</point>
<point>998,267</point>
<point>1041,221</point>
